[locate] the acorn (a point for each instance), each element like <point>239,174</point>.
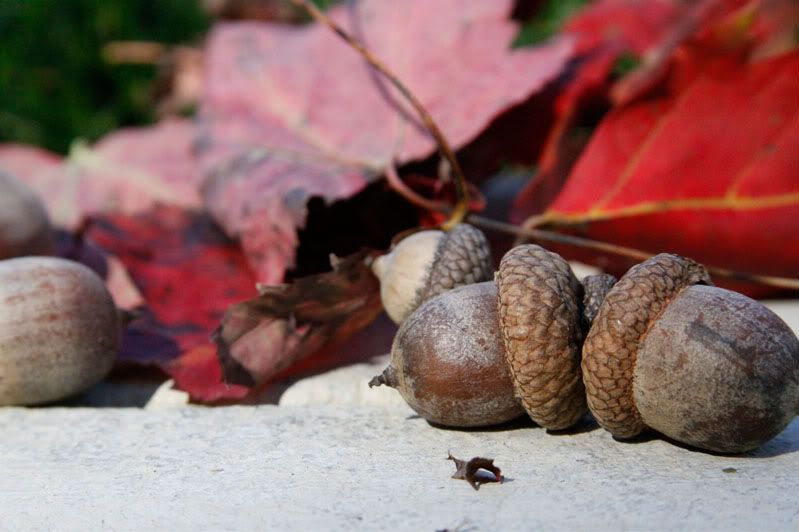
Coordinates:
<point>59,330</point>
<point>24,225</point>
<point>664,350</point>
<point>482,354</point>
<point>447,360</point>
<point>705,366</point>
<point>428,263</point>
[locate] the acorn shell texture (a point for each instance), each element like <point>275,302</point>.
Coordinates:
<point>718,371</point>
<point>542,327</point>
<point>612,344</point>
<point>447,360</point>
<point>59,331</point>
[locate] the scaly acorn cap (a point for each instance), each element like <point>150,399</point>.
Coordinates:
<point>541,321</point>
<point>427,263</point>
<point>595,288</point>
<point>623,320</point>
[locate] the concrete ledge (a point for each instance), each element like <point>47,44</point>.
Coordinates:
<point>332,468</point>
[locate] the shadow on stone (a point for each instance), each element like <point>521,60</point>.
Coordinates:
<point>521,422</point>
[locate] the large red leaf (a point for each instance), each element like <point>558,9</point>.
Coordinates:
<point>603,31</point>
<point>295,112</point>
<point>188,273</point>
<point>708,171</point>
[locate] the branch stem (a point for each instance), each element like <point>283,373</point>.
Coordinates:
<point>632,253</point>
<point>461,190</point>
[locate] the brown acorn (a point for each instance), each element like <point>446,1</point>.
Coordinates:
<point>24,225</point>
<point>705,366</point>
<point>59,330</point>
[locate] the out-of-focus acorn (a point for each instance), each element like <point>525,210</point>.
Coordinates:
<point>24,225</point>
<point>59,330</point>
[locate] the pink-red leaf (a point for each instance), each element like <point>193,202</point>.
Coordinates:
<point>189,273</point>
<point>295,112</point>
<point>127,171</point>
<point>603,32</point>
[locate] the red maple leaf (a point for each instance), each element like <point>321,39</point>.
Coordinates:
<point>707,170</point>
<point>291,113</point>
<point>127,171</point>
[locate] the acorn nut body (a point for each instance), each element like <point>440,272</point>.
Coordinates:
<point>447,360</point>
<point>428,263</point>
<point>705,366</point>
<point>59,330</point>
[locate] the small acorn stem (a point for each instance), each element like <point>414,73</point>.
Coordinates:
<point>387,378</point>
<point>126,316</point>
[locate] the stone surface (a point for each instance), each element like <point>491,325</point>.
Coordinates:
<point>329,468</point>
<point>347,386</point>
<point>338,456</point>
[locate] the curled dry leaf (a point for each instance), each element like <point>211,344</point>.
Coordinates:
<point>290,113</point>
<point>468,470</point>
<point>260,337</point>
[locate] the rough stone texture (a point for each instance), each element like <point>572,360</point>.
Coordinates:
<point>447,360</point>
<point>463,257</point>
<point>612,343</point>
<point>347,386</point>
<point>328,468</point>
<point>539,308</point>
<point>717,370</point>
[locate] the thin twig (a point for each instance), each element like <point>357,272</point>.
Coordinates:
<point>399,186</point>
<point>461,190</point>
<point>632,253</point>
<point>460,211</point>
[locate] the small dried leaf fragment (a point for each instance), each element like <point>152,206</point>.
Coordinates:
<point>468,470</point>
<point>260,337</point>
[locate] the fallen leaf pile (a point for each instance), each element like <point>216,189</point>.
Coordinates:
<point>693,151</point>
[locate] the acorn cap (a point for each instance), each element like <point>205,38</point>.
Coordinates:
<point>595,288</point>
<point>463,257</point>
<point>623,320</point>
<point>427,263</point>
<point>541,322</point>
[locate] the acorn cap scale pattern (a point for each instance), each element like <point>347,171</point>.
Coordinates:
<point>621,324</point>
<point>540,316</point>
<point>463,257</point>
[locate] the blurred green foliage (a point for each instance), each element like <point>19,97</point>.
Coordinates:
<point>548,19</point>
<point>54,84</point>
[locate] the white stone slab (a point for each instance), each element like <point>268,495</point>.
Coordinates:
<point>366,468</point>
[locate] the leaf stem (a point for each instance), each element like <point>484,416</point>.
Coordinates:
<point>632,253</point>
<point>461,190</point>
<point>399,186</point>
